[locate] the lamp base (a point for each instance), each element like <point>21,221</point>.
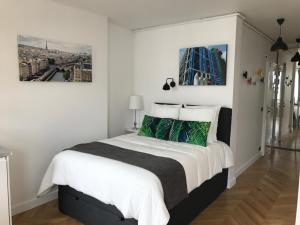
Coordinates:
<point>134,125</point>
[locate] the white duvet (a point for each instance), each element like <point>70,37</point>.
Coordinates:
<point>136,192</point>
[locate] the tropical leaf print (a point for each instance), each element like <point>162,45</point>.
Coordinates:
<point>149,126</point>
<point>175,130</point>
<point>192,132</point>
<point>163,128</point>
<point>197,132</point>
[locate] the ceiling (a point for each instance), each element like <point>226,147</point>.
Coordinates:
<point>137,14</point>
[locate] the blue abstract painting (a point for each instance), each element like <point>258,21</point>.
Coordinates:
<point>203,65</point>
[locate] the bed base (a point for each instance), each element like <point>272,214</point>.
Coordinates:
<point>91,211</point>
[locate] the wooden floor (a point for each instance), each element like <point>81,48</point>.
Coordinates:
<point>265,194</point>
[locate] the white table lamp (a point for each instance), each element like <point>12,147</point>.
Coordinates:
<point>135,103</point>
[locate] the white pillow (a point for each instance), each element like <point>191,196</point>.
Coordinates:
<point>203,113</point>
<point>165,111</point>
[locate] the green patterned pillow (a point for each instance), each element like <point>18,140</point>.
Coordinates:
<point>149,126</point>
<point>163,128</point>
<point>192,132</point>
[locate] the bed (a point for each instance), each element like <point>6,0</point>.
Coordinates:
<point>81,202</point>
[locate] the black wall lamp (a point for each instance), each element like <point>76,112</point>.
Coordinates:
<point>167,86</point>
<point>296,57</point>
<point>279,44</point>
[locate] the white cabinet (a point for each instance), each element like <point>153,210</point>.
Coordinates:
<point>298,206</point>
<point>5,211</point>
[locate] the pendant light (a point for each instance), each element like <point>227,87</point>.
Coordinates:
<point>279,44</point>
<point>296,57</point>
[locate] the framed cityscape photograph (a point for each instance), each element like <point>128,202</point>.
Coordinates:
<point>199,66</point>
<point>46,60</point>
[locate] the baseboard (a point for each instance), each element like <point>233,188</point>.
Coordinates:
<point>32,203</point>
<point>231,183</point>
<point>231,178</point>
<point>240,169</point>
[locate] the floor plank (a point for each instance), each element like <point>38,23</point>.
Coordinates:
<point>265,194</point>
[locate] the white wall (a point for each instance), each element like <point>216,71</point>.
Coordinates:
<point>235,98</point>
<point>40,119</point>
<point>254,53</point>
<point>156,57</point>
<point>120,73</point>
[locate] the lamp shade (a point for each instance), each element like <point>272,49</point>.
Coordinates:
<point>166,87</point>
<point>279,45</point>
<point>296,57</point>
<point>136,102</point>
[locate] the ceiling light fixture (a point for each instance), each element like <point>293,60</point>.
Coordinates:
<point>296,57</point>
<point>279,44</point>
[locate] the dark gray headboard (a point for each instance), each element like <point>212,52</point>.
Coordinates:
<point>161,103</point>
<point>224,123</point>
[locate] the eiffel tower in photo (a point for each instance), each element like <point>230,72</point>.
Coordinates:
<point>46,45</point>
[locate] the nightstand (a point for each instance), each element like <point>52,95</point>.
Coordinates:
<point>131,130</point>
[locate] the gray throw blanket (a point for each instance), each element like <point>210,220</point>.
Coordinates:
<point>170,172</point>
